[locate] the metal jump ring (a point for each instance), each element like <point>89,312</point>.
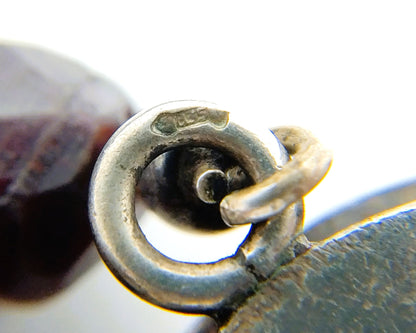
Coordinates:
<point>185,287</point>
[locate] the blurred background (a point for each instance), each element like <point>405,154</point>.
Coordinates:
<point>344,70</point>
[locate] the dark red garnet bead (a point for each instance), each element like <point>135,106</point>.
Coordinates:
<point>55,116</point>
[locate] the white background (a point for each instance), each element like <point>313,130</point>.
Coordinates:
<point>345,70</point>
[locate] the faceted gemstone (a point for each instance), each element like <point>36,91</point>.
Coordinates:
<point>55,116</point>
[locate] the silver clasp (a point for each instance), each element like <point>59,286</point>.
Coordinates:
<point>283,168</point>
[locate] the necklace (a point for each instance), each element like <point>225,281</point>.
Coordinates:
<point>45,173</point>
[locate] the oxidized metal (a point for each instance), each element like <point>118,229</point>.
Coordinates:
<point>309,164</point>
<point>55,117</point>
<point>185,186</point>
<point>296,286</point>
<point>182,286</point>
<point>212,288</point>
<point>359,281</point>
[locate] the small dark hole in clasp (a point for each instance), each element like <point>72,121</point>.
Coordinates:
<point>178,222</point>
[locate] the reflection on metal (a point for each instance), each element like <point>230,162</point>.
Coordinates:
<point>171,284</point>
<point>185,185</point>
<point>190,287</point>
<point>309,163</point>
<point>359,282</point>
<point>360,279</point>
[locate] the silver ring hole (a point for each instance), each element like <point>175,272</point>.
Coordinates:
<point>177,217</point>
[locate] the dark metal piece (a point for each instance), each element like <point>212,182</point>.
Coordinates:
<point>359,282</point>
<point>169,186</point>
<point>55,116</point>
<point>211,185</point>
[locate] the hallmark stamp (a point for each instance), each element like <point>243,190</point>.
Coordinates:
<point>168,123</point>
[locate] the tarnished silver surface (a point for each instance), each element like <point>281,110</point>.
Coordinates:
<point>185,185</point>
<point>206,183</point>
<point>309,163</point>
<point>196,288</point>
<point>361,281</point>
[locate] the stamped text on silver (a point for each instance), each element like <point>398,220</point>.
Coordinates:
<point>168,123</point>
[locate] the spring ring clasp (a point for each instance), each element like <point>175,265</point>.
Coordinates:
<point>188,287</point>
